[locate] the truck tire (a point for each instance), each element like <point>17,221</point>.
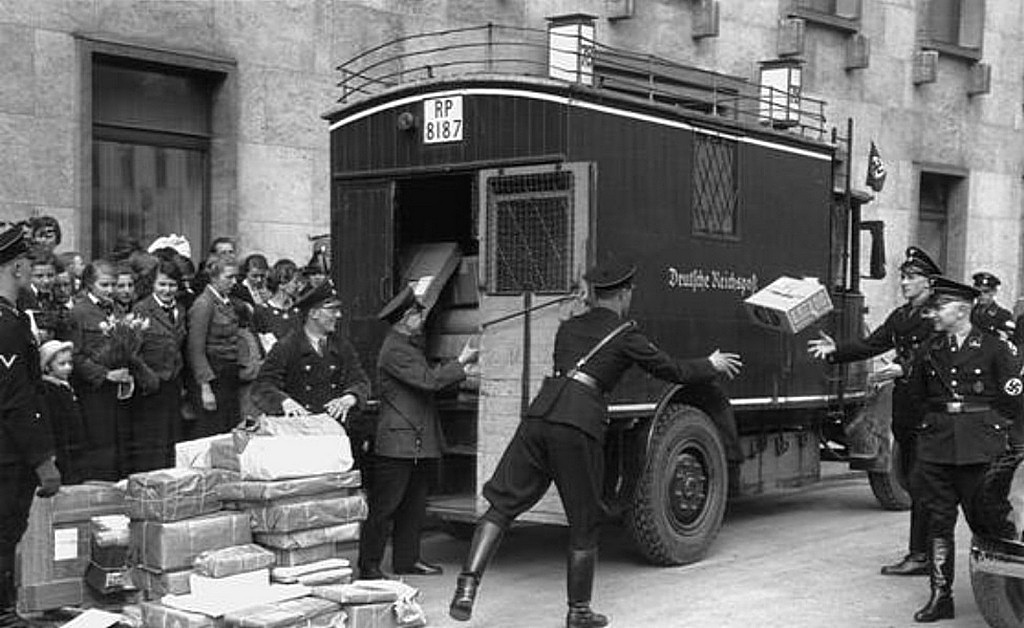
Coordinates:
<point>890,487</point>
<point>1000,599</point>
<point>677,508</point>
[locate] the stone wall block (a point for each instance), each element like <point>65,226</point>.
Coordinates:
<point>294,102</point>
<point>65,15</point>
<point>277,34</point>
<point>57,77</point>
<point>17,48</point>
<point>252,103</point>
<point>180,24</point>
<point>275,183</point>
<point>53,161</point>
<point>276,240</point>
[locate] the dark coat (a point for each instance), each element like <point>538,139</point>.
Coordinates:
<point>583,407</point>
<point>90,343</point>
<point>993,319</point>
<point>212,335</point>
<point>60,405</point>
<point>409,425</point>
<point>25,435</point>
<point>164,340</point>
<point>982,372</point>
<point>294,369</point>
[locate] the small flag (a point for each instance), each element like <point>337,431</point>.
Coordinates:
<point>876,170</point>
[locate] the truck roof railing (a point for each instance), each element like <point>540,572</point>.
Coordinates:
<point>513,51</point>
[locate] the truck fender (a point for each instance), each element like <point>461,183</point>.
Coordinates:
<point>711,399</point>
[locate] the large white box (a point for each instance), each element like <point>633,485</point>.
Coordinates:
<point>789,305</point>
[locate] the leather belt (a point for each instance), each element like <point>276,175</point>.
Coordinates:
<point>587,380</point>
<point>958,407</point>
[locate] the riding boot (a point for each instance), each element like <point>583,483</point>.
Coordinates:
<point>940,604</point>
<point>579,586</point>
<point>486,538</point>
<point>9,617</point>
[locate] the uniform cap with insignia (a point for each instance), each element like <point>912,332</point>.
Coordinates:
<point>919,263</point>
<point>985,280</point>
<point>610,274</point>
<point>945,290</point>
<point>323,295</point>
<point>398,305</point>
<point>13,243</point>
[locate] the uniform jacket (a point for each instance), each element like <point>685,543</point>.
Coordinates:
<point>90,343</point>
<point>294,369</point>
<point>268,319</point>
<point>581,406</point>
<point>164,340</point>
<point>905,330</point>
<point>981,371</point>
<point>993,319</point>
<point>212,334</point>
<point>25,435</point>
<point>409,425</point>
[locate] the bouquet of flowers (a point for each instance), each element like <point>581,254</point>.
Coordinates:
<point>125,342</point>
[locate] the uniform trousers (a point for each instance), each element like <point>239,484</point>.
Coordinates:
<point>541,453</point>
<point>17,487</point>
<point>943,487</point>
<point>397,500</point>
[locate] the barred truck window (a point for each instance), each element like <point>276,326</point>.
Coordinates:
<point>715,195</point>
<point>530,225</point>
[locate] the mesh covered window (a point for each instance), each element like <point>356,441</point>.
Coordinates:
<point>715,196</point>
<point>530,225</point>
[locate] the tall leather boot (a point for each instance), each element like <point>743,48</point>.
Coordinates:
<point>579,585</point>
<point>486,539</point>
<point>940,604</point>
<point>9,617</point>
<point>915,563</point>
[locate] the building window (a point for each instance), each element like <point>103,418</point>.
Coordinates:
<point>715,199</point>
<point>841,14</point>
<point>956,26</point>
<point>150,151</point>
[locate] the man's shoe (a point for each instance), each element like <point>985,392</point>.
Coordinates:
<point>461,608</point>
<point>371,573</point>
<point>420,568</point>
<point>581,616</point>
<point>913,564</point>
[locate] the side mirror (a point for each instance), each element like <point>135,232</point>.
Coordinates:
<point>876,229</point>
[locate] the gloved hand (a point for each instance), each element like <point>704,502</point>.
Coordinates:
<point>49,478</point>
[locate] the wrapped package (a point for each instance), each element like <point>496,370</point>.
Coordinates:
<point>167,546</point>
<point>372,616</point>
<point>156,615</point>
<point>294,489</point>
<point>50,595</point>
<point>110,538</point>
<point>306,555</point>
<point>229,587</point>
<point>308,538</point>
<point>284,574</point>
<point>313,512</point>
<point>223,454</point>
<point>358,592</point>
<point>342,575</point>
<point>304,612</point>
<point>175,494</point>
<point>278,448</point>
<point>196,453</point>
<point>80,502</point>
<point>405,610</point>
<point>229,561</point>
<point>156,584</point>
<point>105,580</point>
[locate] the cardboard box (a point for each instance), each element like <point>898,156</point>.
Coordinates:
<point>169,546</point>
<point>46,596</point>
<point>156,584</point>
<point>156,615</point>
<point>789,305</point>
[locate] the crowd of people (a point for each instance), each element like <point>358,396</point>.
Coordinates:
<point>142,347</point>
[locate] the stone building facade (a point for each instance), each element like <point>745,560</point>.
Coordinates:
<point>203,116</point>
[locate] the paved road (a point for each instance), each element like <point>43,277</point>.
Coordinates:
<point>805,558</point>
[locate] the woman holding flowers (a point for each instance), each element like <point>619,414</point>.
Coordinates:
<point>96,377</point>
<point>156,408</point>
<point>213,325</point>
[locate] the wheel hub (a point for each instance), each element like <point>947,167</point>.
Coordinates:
<point>688,489</point>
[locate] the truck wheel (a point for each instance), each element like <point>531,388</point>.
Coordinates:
<point>890,487</point>
<point>677,508</point>
<point>999,598</point>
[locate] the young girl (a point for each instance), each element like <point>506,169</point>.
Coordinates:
<point>61,407</point>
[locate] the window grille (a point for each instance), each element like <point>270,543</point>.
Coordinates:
<point>530,227</point>
<point>715,197</point>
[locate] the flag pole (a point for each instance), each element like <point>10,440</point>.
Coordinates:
<point>854,213</point>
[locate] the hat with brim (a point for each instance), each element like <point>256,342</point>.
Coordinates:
<point>986,281</point>
<point>609,275</point>
<point>398,305</point>
<point>50,349</point>
<point>13,243</point>
<point>945,290</point>
<point>919,263</point>
<point>322,296</point>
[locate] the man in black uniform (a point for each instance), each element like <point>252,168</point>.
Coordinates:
<point>314,369</point>
<point>966,386</point>
<point>905,330</point>
<point>561,439</point>
<point>987,315</point>
<point>26,444</point>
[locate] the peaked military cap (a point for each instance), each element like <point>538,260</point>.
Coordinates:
<point>398,305</point>
<point>317,265</point>
<point>13,243</point>
<point>985,280</point>
<point>610,274</point>
<point>918,262</point>
<point>945,289</point>
<point>323,295</point>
